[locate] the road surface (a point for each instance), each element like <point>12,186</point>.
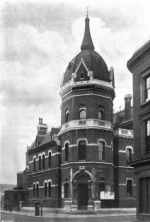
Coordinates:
<point>11,217</point>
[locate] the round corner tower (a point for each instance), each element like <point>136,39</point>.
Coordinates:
<point>86,133</point>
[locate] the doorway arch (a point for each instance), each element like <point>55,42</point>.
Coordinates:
<point>82,189</point>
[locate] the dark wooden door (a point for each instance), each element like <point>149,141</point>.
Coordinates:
<point>82,195</point>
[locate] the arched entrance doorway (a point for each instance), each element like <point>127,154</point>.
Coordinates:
<point>82,189</point>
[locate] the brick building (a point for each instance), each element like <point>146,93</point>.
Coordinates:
<point>84,163</point>
<point>139,65</point>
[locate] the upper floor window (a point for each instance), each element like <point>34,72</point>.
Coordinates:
<point>148,135</point>
<point>43,161</point>
<point>101,150</point>
<point>83,113</point>
<point>66,151</point>
<point>82,150</point>
<point>34,163</point>
<point>129,154</point>
<point>100,113</point>
<point>129,187</point>
<point>147,88</point>
<point>40,160</point>
<point>67,115</point>
<point>49,159</point>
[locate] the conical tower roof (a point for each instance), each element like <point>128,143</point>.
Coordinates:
<point>87,43</point>
<point>93,61</point>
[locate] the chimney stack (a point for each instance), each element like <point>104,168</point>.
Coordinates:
<point>42,127</point>
<point>127,99</point>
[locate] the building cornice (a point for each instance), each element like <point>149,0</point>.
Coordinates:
<point>71,84</point>
<point>138,54</point>
<point>87,162</point>
<point>67,96</point>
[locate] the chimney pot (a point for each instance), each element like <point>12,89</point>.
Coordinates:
<point>40,120</point>
<point>128,98</point>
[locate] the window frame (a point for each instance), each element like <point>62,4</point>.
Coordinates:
<point>66,189</point>
<point>147,88</point>
<point>129,189</point>
<point>147,135</point>
<point>82,113</point>
<point>37,189</point>
<point>34,163</point>
<point>144,90</point>
<point>40,162</point>
<point>80,152</point>
<point>67,115</point>
<point>103,150</point>
<point>43,161</point>
<point>45,188</point>
<point>34,189</point>
<point>100,110</point>
<point>66,151</point>
<point>49,159</point>
<point>129,154</point>
<point>49,188</point>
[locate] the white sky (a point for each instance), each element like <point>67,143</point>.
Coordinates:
<point>37,40</point>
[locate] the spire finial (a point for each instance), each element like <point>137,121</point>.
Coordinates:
<point>87,43</point>
<point>87,12</point>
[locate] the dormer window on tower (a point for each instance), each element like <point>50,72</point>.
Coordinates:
<point>82,71</point>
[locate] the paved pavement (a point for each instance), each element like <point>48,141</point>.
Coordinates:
<point>14,217</point>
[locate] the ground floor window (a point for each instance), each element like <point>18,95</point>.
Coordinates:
<point>101,189</point>
<point>144,195</point>
<point>49,189</point>
<point>34,190</point>
<point>66,190</point>
<point>37,190</point>
<point>45,189</point>
<point>101,186</point>
<point>129,187</point>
